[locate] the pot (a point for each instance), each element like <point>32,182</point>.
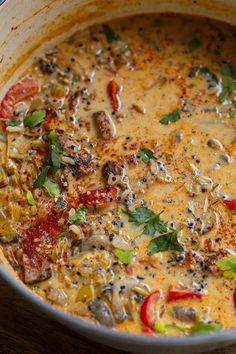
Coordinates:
<point>28,28</point>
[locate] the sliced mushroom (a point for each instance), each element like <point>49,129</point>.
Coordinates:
<point>55,295</point>
<point>215,144</point>
<point>112,167</point>
<point>105,124</point>
<point>184,313</point>
<point>102,312</point>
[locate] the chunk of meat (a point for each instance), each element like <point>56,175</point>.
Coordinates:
<point>105,124</point>
<point>102,312</point>
<point>113,90</point>
<point>184,313</point>
<point>17,93</point>
<point>98,197</point>
<point>112,167</point>
<point>83,159</point>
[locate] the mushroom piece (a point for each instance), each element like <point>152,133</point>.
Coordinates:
<point>56,296</point>
<point>215,144</point>
<point>102,312</point>
<point>105,124</point>
<point>184,313</point>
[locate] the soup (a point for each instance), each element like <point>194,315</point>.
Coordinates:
<point>118,175</point>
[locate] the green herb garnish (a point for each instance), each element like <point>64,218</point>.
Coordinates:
<point>146,155</point>
<point>228,265</point>
<point>232,110</point>
<point>11,122</point>
<point>58,203</point>
<point>30,198</point>
<point>150,220</point>
<point>170,118</point>
<point>77,217</point>
<point>35,118</point>
<point>55,149</point>
<point>42,177</point>
<point>165,242</point>
<point>52,189</point>
<point>63,234</point>
<point>201,327</point>
<point>124,257</point>
<point>110,34</point>
<point>194,44</point>
<point>210,76</point>
<point>228,72</point>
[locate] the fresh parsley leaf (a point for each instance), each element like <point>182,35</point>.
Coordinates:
<point>150,220</point>
<point>42,177</point>
<point>165,242</point>
<point>30,198</point>
<point>232,110</point>
<point>110,34</point>
<point>146,155</point>
<point>35,118</point>
<point>124,257</point>
<point>170,118</point>
<point>58,203</point>
<point>194,44</point>
<point>78,216</point>
<point>52,189</point>
<point>63,234</point>
<point>228,265</point>
<point>141,215</point>
<point>55,149</point>
<point>201,327</point>
<point>228,72</point>
<point>11,122</point>
<point>153,225</point>
<point>210,76</point>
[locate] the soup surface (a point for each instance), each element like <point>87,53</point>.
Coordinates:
<point>118,175</point>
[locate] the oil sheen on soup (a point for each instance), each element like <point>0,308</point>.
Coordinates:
<point>117,176</point>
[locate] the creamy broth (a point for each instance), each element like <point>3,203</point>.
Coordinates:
<point>118,175</point>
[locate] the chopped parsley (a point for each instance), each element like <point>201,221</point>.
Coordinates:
<point>52,189</point>
<point>30,198</point>
<point>228,86</point>
<point>228,265</point>
<point>11,122</point>
<point>165,242</point>
<point>110,34</point>
<point>232,110</point>
<point>201,327</point>
<point>77,217</point>
<point>42,177</point>
<point>35,118</point>
<point>171,118</point>
<point>55,149</point>
<point>194,44</point>
<point>210,76</point>
<point>146,155</point>
<point>124,257</point>
<point>147,218</point>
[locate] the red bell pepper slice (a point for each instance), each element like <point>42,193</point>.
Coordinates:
<point>148,332</point>
<point>17,93</point>
<point>113,90</point>
<point>182,294</point>
<point>148,312</point>
<point>234,298</point>
<point>231,204</point>
<point>98,197</point>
